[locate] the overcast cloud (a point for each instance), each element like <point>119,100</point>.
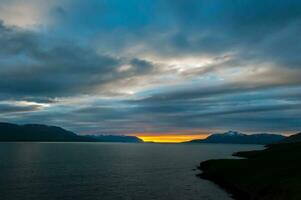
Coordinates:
<point>123,67</point>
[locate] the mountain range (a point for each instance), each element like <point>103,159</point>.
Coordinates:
<point>116,138</point>
<point>43,133</point>
<point>233,137</point>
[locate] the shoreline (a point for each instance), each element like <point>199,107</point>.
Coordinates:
<point>234,191</point>
<point>270,174</point>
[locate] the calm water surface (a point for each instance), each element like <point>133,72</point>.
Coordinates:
<point>108,171</point>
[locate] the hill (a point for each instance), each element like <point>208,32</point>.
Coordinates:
<point>43,133</point>
<point>233,137</point>
<point>37,132</point>
<point>117,138</point>
<point>270,174</point>
<point>292,138</point>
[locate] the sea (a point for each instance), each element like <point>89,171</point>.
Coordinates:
<point>109,171</point>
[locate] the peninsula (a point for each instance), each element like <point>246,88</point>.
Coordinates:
<point>270,174</point>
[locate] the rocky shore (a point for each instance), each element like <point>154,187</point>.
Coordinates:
<point>270,174</point>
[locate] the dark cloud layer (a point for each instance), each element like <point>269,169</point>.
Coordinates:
<point>8,108</point>
<point>153,66</point>
<point>30,67</point>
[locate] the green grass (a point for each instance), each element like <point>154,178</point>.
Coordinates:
<point>271,174</point>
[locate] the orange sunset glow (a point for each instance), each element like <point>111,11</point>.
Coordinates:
<point>169,138</point>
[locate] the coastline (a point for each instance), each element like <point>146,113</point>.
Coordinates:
<point>269,174</point>
<point>235,191</point>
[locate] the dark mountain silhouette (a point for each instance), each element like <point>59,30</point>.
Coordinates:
<point>43,133</point>
<point>37,132</point>
<point>233,137</point>
<point>117,138</point>
<point>272,173</point>
<point>293,138</point>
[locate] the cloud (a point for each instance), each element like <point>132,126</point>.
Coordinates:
<point>152,66</point>
<point>19,107</point>
<point>30,67</point>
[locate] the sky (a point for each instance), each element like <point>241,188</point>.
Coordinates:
<point>152,67</point>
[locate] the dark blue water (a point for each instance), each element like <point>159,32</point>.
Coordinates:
<point>107,171</point>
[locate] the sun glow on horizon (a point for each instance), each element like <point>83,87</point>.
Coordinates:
<point>169,138</point>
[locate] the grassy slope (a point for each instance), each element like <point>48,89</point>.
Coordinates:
<point>271,174</point>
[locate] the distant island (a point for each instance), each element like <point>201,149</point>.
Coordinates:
<point>270,174</point>
<point>234,137</point>
<point>43,133</point>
